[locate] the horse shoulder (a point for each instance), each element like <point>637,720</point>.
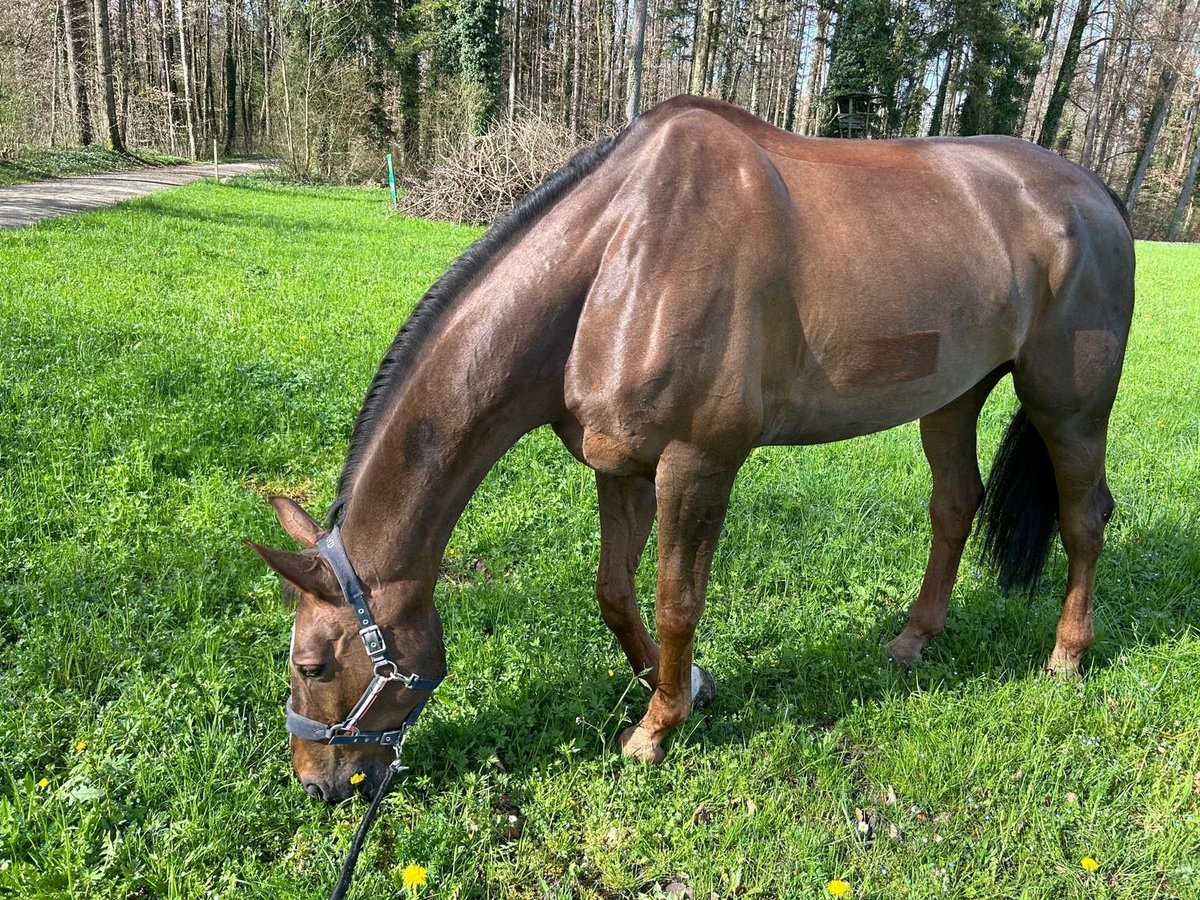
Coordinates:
<point>669,342</point>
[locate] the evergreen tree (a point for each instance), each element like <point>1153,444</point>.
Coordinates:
<point>480,54</point>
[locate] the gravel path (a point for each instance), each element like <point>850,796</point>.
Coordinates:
<point>24,204</point>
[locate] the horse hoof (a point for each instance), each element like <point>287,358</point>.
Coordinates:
<point>905,651</point>
<point>704,688</point>
<point>637,744</point>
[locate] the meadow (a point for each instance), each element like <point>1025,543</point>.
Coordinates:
<point>39,164</point>
<point>164,364</point>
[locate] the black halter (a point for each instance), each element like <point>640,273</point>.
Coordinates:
<point>331,549</point>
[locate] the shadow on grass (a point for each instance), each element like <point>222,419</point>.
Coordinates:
<point>822,677</point>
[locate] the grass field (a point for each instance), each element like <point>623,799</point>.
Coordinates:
<point>164,363</point>
<point>61,162</point>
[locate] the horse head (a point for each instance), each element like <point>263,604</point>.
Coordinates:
<point>354,683</point>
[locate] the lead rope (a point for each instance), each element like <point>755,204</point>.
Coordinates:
<point>394,768</point>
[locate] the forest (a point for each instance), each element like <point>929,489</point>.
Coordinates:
<point>331,86</point>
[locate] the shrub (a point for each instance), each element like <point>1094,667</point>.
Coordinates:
<point>479,179</point>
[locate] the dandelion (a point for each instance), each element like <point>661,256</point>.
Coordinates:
<point>838,888</point>
<point>414,876</point>
<point>611,673</point>
<point>1089,864</point>
<point>81,746</point>
<point>44,783</point>
<point>358,778</point>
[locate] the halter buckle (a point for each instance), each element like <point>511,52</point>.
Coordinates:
<point>372,639</point>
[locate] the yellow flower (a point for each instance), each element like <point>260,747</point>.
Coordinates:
<point>414,876</point>
<point>611,673</point>
<point>838,888</point>
<point>1089,864</point>
<point>358,778</point>
<point>81,746</point>
<point>45,782</point>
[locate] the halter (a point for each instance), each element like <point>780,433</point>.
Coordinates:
<point>333,551</point>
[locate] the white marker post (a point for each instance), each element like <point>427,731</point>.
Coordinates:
<point>216,171</point>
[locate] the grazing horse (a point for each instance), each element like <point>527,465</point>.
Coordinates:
<point>701,285</point>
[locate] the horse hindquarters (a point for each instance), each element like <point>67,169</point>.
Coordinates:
<point>1066,378</point>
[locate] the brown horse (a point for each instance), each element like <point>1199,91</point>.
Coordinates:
<point>699,286</point>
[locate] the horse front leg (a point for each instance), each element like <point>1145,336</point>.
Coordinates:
<point>693,495</point>
<point>626,517</point>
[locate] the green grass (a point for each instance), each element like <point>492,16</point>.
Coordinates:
<point>61,162</point>
<point>162,363</point>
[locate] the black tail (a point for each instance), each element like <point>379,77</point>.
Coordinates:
<point>1019,513</point>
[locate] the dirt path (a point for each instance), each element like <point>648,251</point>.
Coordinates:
<point>24,204</point>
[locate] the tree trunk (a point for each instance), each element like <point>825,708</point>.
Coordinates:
<point>230,78</point>
<point>706,13</point>
<point>170,82</point>
<point>1066,74</point>
<point>1049,40</point>
<point>56,25</point>
<point>1191,117</point>
<point>188,116</point>
<point>1179,216</point>
<point>1104,159</point>
<point>74,26</point>
<point>939,106</point>
<point>789,120</point>
<point>618,80</point>
<point>107,79</point>
<point>124,55</point>
<point>756,42</point>
<point>634,102</point>
<point>576,67</point>
<point>1158,117</point>
<point>1093,124</point>
<point>817,65</point>
<point>514,65</point>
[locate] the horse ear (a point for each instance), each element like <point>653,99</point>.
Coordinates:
<point>307,571</point>
<point>302,528</point>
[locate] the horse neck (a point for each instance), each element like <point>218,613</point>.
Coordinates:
<point>492,372</point>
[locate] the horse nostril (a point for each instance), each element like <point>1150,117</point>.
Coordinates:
<point>314,790</point>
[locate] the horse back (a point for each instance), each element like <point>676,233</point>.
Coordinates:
<point>758,287</point>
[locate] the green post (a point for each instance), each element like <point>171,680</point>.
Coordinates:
<point>392,180</point>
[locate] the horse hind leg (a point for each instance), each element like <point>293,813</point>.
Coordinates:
<point>627,506</point>
<point>948,439</point>
<point>1076,447</point>
<point>1070,409</point>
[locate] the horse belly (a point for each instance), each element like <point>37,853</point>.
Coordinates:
<point>883,362</point>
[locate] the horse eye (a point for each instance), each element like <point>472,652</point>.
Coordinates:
<point>311,671</point>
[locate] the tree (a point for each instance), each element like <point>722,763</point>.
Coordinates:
<point>1179,214</point>
<point>107,78</point>
<point>1004,57</point>
<point>74,24</point>
<point>636,50</point>
<point>1066,74</point>
<point>480,54</point>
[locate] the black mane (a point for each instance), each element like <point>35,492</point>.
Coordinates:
<point>429,312</point>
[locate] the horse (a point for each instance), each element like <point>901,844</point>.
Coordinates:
<point>698,286</point>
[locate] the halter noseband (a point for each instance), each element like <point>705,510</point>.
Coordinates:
<point>333,551</point>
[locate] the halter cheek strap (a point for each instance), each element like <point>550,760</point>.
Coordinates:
<point>333,551</point>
